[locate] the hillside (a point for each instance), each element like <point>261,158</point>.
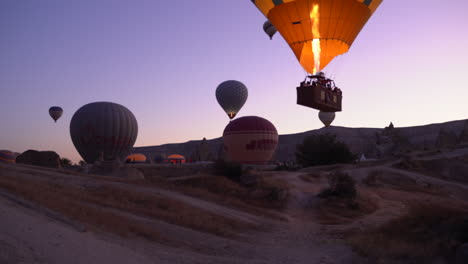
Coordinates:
<point>373,142</point>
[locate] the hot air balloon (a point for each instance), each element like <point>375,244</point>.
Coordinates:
<point>7,156</point>
<point>231,96</point>
<point>326,117</point>
<point>135,158</point>
<point>55,112</point>
<point>317,31</point>
<point>269,29</point>
<point>175,158</point>
<point>250,139</point>
<point>103,130</point>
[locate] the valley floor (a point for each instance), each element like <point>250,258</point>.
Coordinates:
<point>57,216</point>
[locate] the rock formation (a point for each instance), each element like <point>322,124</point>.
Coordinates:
<point>39,158</point>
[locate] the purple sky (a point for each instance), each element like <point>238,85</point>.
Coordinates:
<point>164,59</point>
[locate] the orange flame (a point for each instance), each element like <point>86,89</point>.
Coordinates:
<point>316,50</point>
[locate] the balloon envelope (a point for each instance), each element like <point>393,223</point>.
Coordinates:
<point>7,156</point>
<point>176,158</point>
<point>269,29</point>
<point>250,139</point>
<point>55,112</point>
<point>326,117</point>
<point>136,157</point>
<point>335,24</point>
<point>103,130</point>
<point>231,96</point>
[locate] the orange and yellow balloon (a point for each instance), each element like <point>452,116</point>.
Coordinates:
<point>318,30</point>
<point>136,158</point>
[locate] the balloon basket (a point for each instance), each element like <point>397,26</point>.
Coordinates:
<point>319,97</point>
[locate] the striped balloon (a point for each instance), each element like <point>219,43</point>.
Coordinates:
<point>103,130</point>
<point>7,156</point>
<point>231,95</point>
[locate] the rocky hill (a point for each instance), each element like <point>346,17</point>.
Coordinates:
<point>372,142</point>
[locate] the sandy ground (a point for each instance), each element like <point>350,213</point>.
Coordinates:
<point>30,236</point>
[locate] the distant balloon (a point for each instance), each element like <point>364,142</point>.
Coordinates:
<point>250,139</point>
<point>326,117</point>
<point>136,158</point>
<point>269,29</point>
<point>176,158</point>
<point>7,156</point>
<point>103,130</point>
<point>231,95</point>
<point>55,112</point>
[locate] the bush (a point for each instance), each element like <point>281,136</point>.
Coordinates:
<point>341,186</point>
<point>231,170</point>
<point>65,162</point>
<point>323,149</point>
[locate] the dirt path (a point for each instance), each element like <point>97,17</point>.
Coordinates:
<point>302,239</point>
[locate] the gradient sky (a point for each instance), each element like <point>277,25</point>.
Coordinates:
<point>164,59</point>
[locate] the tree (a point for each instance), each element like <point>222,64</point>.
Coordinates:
<point>65,162</point>
<point>323,149</point>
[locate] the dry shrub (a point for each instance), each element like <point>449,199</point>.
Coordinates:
<point>341,186</point>
<point>340,211</point>
<point>229,169</point>
<point>426,232</point>
<point>341,202</point>
<point>276,192</point>
<point>266,193</point>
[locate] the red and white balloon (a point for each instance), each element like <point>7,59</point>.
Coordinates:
<point>250,139</point>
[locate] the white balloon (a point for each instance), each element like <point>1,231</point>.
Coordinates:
<point>326,117</point>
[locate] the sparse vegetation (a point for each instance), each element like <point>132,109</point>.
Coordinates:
<point>323,149</point>
<point>341,185</point>
<point>105,206</point>
<point>265,193</point>
<point>65,162</point>
<point>428,231</point>
<point>229,169</point>
<point>341,202</point>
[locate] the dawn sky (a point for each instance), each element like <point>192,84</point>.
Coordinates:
<point>164,59</point>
